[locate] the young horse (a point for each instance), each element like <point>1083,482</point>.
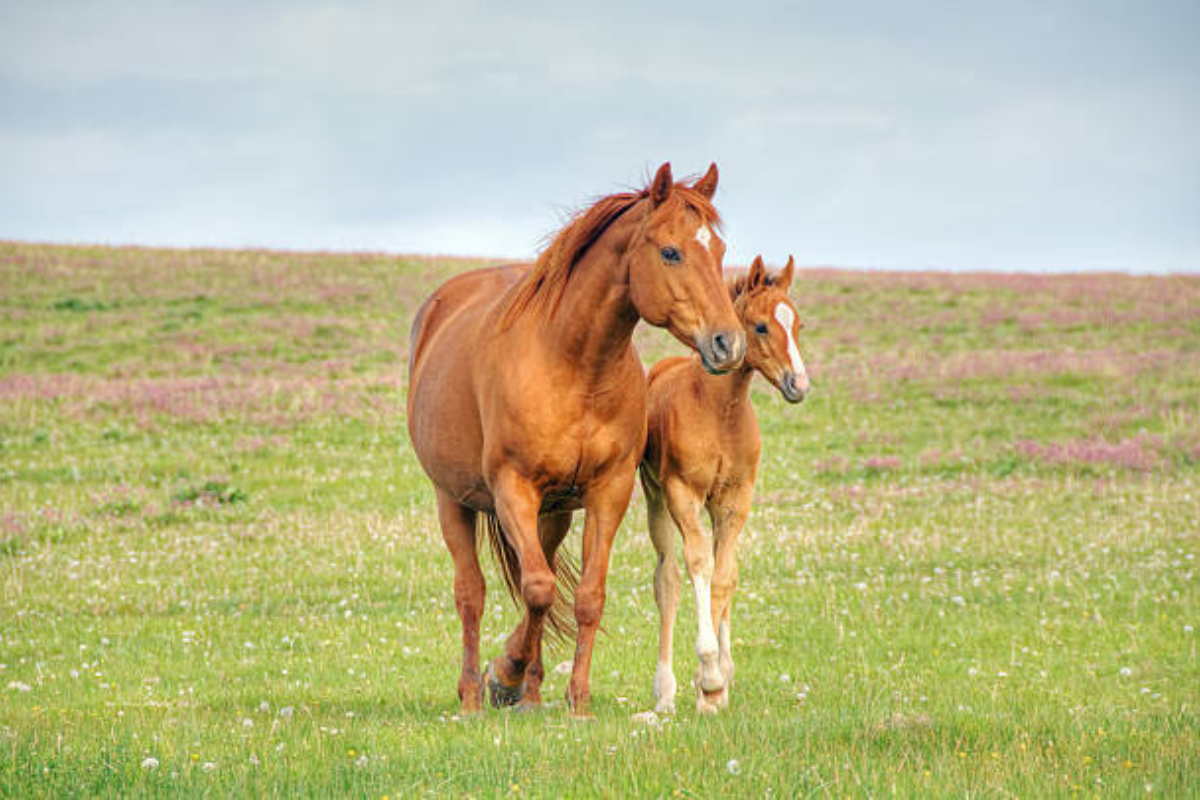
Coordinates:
<point>526,402</point>
<point>702,449</point>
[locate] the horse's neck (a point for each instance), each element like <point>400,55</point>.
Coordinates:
<point>594,321</point>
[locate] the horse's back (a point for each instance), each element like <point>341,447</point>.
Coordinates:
<point>468,296</point>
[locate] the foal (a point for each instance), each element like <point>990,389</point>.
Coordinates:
<point>702,450</point>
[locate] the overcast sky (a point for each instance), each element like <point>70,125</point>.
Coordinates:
<point>950,135</point>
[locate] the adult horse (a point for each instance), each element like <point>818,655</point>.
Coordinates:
<point>526,402</point>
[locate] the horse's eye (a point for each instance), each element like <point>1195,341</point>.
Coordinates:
<point>670,255</point>
<point>761,328</point>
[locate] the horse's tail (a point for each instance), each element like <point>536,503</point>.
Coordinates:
<point>561,617</point>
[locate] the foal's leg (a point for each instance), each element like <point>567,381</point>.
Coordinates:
<point>729,511</point>
<point>698,557</point>
<point>458,529</point>
<point>604,503</point>
<point>666,594</point>
<point>517,505</point>
<point>552,529</point>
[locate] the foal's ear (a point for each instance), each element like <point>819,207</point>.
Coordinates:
<point>662,185</point>
<point>785,277</point>
<point>757,274</point>
<point>707,185</point>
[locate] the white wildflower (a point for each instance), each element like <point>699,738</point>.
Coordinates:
<point>648,718</point>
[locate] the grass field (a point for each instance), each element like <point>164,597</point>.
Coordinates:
<point>971,569</point>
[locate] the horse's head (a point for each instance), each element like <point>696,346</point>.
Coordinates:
<point>675,270</point>
<point>771,324</point>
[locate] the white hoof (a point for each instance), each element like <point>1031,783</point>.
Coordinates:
<point>708,703</point>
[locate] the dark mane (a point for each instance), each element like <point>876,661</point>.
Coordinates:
<point>544,284</point>
<point>738,284</point>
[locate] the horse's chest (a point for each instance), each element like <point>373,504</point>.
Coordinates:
<point>577,440</point>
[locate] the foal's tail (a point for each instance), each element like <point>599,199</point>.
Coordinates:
<point>561,617</point>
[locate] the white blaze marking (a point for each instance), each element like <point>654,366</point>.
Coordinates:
<point>785,317</point>
<point>703,236</point>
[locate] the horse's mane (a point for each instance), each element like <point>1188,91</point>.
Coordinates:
<point>739,284</point>
<point>544,284</point>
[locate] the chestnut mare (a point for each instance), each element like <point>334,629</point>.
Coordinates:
<point>702,451</point>
<point>526,402</point>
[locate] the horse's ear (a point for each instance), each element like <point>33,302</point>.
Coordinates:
<point>758,272</point>
<point>785,277</point>
<point>662,185</point>
<point>707,185</point>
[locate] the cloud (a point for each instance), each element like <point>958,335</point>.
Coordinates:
<point>904,135</point>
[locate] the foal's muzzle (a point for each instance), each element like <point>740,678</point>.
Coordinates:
<point>721,351</point>
<point>794,387</point>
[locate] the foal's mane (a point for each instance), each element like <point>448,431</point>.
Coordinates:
<point>740,283</point>
<point>544,284</point>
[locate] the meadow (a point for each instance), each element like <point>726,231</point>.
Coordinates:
<point>970,571</point>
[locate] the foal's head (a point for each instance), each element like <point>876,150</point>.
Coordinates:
<point>771,324</point>
<point>675,270</point>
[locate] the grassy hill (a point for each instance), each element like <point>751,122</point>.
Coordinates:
<point>971,567</point>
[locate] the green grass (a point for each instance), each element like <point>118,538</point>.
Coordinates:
<point>971,568</point>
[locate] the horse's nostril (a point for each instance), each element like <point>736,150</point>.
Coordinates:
<point>721,347</point>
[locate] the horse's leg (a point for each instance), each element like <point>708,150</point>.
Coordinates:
<point>604,504</point>
<point>698,558</point>
<point>517,505</point>
<point>729,512</point>
<point>458,529</point>
<point>552,529</point>
<point>666,595</point>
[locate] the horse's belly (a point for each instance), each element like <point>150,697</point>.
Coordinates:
<point>443,415</point>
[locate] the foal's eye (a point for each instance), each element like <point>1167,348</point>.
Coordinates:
<point>670,255</point>
<point>761,328</point>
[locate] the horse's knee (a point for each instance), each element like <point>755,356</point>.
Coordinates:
<point>589,606</point>
<point>537,590</point>
<point>699,561</point>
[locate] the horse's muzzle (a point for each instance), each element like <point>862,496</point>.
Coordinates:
<point>721,351</point>
<point>794,387</point>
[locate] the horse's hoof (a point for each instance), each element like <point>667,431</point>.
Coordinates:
<point>579,709</point>
<point>709,678</point>
<point>527,706</point>
<point>468,715</point>
<point>499,695</point>
<point>709,703</point>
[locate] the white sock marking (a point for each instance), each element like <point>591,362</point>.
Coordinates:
<point>785,317</point>
<point>706,641</point>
